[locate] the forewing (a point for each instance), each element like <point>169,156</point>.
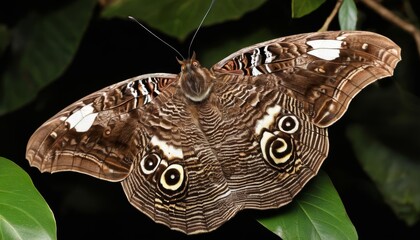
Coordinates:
<point>322,70</point>
<point>97,134</point>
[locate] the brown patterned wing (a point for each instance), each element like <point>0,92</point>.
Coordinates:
<point>97,134</point>
<point>204,162</point>
<point>323,70</point>
<point>246,146</point>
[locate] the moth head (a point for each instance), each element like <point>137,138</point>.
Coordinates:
<point>195,81</point>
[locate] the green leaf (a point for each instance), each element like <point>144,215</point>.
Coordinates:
<point>4,38</point>
<point>347,15</point>
<point>183,16</point>
<point>24,214</point>
<point>43,47</point>
<point>395,175</point>
<point>316,213</point>
<point>301,8</point>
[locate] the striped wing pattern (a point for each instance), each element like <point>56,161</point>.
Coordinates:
<point>193,149</point>
<point>103,150</point>
<point>222,156</point>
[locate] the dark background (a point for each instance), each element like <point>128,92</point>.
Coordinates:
<point>113,50</point>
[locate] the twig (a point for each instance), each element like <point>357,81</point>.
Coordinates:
<point>390,16</point>
<point>331,16</point>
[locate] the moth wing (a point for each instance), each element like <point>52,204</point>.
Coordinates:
<point>97,135</point>
<point>323,70</point>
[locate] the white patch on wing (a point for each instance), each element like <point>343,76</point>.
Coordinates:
<point>268,55</point>
<point>365,46</point>
<point>82,119</point>
<point>255,57</point>
<point>326,49</point>
<point>325,43</point>
<point>143,88</point>
<point>268,119</point>
<point>256,72</point>
<point>169,151</point>
<point>326,54</point>
<point>132,90</point>
<point>85,123</point>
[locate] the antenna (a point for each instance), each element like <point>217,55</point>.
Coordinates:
<point>156,36</point>
<point>169,45</point>
<point>199,26</point>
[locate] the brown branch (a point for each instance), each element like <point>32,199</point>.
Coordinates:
<point>331,16</point>
<point>390,16</point>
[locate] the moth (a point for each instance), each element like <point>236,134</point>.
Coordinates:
<point>192,149</point>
